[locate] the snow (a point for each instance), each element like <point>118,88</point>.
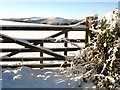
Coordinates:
<point>78,24</point>
<point>41,20</point>
<point>25,77</point>
<point>2,22</point>
<point>110,15</point>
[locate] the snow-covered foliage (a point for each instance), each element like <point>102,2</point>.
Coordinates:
<point>100,60</point>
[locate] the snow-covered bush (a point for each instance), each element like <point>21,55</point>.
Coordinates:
<point>101,59</point>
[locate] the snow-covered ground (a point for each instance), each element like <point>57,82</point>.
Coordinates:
<point>47,20</point>
<point>24,77</point>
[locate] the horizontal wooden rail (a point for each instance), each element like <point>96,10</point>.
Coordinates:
<point>43,28</point>
<point>36,65</point>
<point>29,58</point>
<point>47,40</point>
<point>30,50</point>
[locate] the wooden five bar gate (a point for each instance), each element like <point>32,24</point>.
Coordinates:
<point>31,44</point>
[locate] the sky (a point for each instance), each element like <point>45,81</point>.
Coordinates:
<point>73,10</point>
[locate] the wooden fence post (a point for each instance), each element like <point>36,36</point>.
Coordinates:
<point>65,43</point>
<point>41,55</point>
<point>87,36</point>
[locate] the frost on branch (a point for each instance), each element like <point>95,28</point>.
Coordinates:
<point>101,59</point>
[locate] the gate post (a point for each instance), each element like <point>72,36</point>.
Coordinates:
<point>91,22</point>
